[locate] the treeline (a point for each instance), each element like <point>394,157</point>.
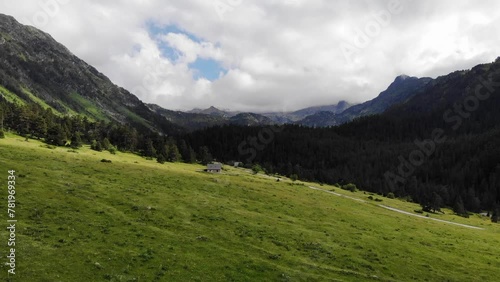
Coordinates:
<point>32,121</point>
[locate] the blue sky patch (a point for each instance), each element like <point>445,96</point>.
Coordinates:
<point>207,68</point>
<point>155,30</point>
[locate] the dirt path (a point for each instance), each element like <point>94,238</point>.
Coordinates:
<point>397,210</point>
<point>337,194</point>
<point>435,219</point>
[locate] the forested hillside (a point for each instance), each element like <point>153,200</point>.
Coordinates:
<point>440,148</point>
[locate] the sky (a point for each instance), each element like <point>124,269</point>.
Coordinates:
<point>266,55</point>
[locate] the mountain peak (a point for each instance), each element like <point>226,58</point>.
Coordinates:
<point>402,77</point>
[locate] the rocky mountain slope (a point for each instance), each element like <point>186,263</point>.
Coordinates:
<point>400,91</point>
<point>37,69</point>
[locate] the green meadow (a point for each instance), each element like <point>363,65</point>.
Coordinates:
<point>80,219</point>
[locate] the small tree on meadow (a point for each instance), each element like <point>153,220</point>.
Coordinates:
<point>496,214</point>
<point>256,168</point>
<point>106,144</point>
<point>96,146</point>
<point>160,159</point>
<point>149,150</point>
<point>204,155</point>
<point>76,140</point>
<point>459,208</point>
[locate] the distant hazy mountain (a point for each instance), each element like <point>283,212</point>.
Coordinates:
<point>213,111</point>
<point>199,119</point>
<point>401,90</point>
<point>270,117</point>
<point>320,119</point>
<point>291,117</point>
<point>190,121</point>
<point>250,119</point>
<point>336,109</point>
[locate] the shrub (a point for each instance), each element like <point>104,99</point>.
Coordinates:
<point>2,134</point>
<point>294,177</point>
<point>256,169</point>
<point>495,214</point>
<point>96,146</point>
<point>350,187</point>
<point>390,195</point>
<point>160,159</point>
<point>112,150</point>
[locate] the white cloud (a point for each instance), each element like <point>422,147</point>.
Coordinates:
<point>280,54</point>
<point>191,50</point>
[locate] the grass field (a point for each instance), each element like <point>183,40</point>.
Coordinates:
<point>80,219</point>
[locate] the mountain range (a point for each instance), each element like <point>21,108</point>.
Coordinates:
<point>401,90</point>
<point>37,69</point>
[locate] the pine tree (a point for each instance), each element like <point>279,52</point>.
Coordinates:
<point>173,153</point>
<point>160,158</point>
<point>204,155</point>
<point>436,202</point>
<point>39,128</point>
<point>76,141</point>
<point>96,145</point>
<point>106,144</point>
<point>496,214</point>
<point>459,208</point>
<point>191,157</point>
<point>2,134</point>
<point>149,150</point>
<point>56,136</point>
<point>184,150</point>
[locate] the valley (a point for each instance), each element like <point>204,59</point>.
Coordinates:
<point>100,185</point>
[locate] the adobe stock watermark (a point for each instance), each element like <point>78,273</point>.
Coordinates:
<point>48,10</point>
<point>224,6</point>
<point>252,144</point>
<point>455,117</point>
<point>149,79</point>
<point>362,38</point>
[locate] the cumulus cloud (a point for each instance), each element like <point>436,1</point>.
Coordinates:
<point>277,55</point>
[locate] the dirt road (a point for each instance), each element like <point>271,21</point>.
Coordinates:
<point>397,210</point>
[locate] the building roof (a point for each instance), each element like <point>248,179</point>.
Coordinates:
<point>214,166</point>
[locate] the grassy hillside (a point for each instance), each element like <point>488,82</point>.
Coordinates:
<point>136,220</point>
